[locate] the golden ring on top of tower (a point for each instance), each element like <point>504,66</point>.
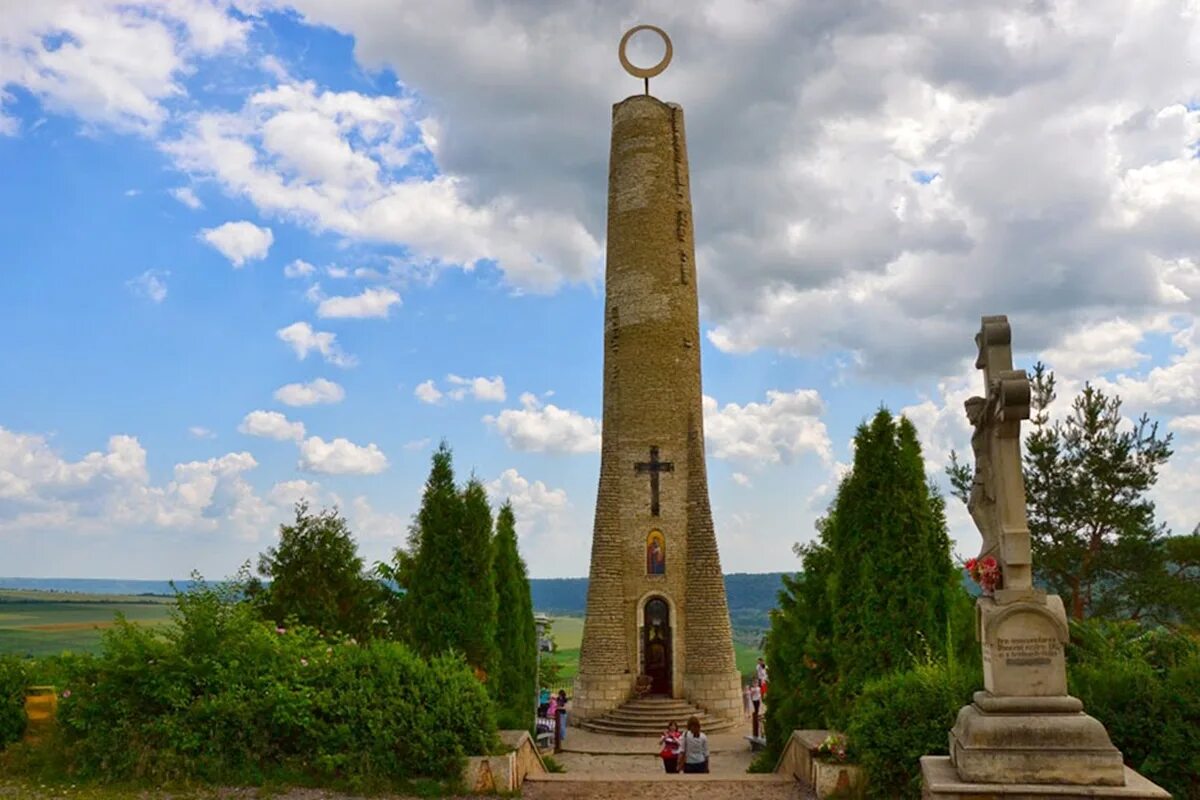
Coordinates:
<point>645,72</point>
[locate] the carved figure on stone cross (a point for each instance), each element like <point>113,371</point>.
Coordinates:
<point>982,501</point>
<point>997,499</point>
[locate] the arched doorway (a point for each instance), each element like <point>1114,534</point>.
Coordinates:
<point>656,645</point>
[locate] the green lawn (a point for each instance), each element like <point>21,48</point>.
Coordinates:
<point>42,623</point>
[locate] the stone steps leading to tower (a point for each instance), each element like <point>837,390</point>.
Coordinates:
<point>650,717</point>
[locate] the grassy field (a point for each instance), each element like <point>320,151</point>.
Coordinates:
<point>36,623</point>
<point>568,632</point>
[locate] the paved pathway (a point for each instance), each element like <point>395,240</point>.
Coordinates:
<point>602,754</point>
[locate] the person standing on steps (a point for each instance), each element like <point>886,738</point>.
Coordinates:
<point>761,673</point>
<point>694,750</point>
<point>669,750</point>
<point>756,697</point>
<point>746,699</point>
<point>562,715</point>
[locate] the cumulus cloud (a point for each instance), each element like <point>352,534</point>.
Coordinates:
<point>341,457</point>
<point>850,164</point>
<point>339,161</point>
<point>287,493</point>
<point>42,491</point>
<point>151,284</point>
<point>303,340</point>
<point>550,535</point>
<point>271,425</point>
<point>109,62</point>
<point>185,195</point>
<point>787,425</point>
<point>239,241</point>
<point>298,269</point>
<point>426,392</point>
<point>317,392</point>
<point>200,432</point>
<point>741,478</point>
<point>370,303</point>
<point>487,389</point>
<point>540,428</point>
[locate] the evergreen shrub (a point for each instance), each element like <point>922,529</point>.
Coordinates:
<point>1144,685</point>
<point>222,697</point>
<point>897,719</point>
<point>13,678</point>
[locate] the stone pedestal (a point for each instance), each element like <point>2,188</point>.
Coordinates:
<point>1024,728</point>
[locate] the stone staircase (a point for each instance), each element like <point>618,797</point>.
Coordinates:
<point>650,716</point>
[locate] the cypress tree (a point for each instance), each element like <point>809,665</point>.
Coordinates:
<point>516,635</point>
<point>875,591</point>
<point>433,593</point>
<point>478,609</point>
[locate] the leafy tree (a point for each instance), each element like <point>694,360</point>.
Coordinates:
<point>1095,540</point>
<point>450,600</point>
<point>516,634</point>
<point>316,576</point>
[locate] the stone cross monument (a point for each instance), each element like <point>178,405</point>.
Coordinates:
<point>656,607</point>
<point>1023,735</point>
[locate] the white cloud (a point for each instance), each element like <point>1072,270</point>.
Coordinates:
<point>426,392</point>
<point>812,139</point>
<point>107,61</point>
<point>303,339</point>
<point>298,269</point>
<point>43,492</point>
<point>132,192</point>
<point>550,535</point>
<point>334,160</point>
<point>782,428</point>
<point>371,303</point>
<point>271,425</point>
<point>317,392</point>
<point>239,241</point>
<point>418,444</point>
<point>151,285</point>
<point>484,389</point>
<point>200,432</point>
<point>341,457</point>
<point>547,428</point>
<point>185,195</point>
<point>741,478</point>
<point>370,525</point>
<point>287,493</point>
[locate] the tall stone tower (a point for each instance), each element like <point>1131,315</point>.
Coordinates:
<point>656,597</point>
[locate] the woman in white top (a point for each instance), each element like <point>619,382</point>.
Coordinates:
<point>694,750</point>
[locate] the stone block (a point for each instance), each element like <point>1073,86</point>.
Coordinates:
<point>940,781</point>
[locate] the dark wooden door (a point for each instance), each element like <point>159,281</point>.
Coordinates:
<point>656,645</point>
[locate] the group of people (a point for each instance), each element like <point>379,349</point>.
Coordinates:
<point>551,708</point>
<point>687,752</point>
<point>755,692</point>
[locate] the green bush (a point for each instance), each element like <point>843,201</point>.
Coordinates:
<point>1144,685</point>
<point>13,679</point>
<point>898,719</point>
<point>220,696</point>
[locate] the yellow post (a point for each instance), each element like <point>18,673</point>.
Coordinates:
<point>41,705</point>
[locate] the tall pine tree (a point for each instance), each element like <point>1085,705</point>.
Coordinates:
<point>516,636</point>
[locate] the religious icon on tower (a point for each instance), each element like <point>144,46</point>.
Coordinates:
<point>656,554</point>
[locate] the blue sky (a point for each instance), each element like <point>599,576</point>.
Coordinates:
<point>285,248</point>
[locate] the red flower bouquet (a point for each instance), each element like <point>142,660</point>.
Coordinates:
<point>986,572</point>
